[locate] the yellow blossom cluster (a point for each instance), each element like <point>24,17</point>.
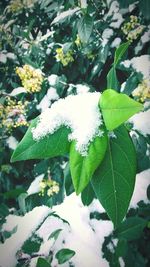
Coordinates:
<point>78,41</point>
<point>31,78</point>
<point>49,187</point>
<point>132,29</point>
<point>13,114</point>
<point>64,58</point>
<point>17,5</point>
<point>142,92</point>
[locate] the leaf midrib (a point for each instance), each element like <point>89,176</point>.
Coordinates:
<point>120,108</point>
<point>114,187</point>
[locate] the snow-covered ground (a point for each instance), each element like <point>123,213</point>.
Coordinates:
<point>82,235</point>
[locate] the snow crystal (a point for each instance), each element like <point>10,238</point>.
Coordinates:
<point>72,112</point>
<point>35,185</point>
<point>25,226</point>
<point>141,184</point>
<point>81,88</point>
<point>141,122</point>
<point>12,142</point>
<point>140,64</point>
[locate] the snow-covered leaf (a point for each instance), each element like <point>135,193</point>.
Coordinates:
<point>65,14</point>
<point>83,167</point>
<point>49,146</point>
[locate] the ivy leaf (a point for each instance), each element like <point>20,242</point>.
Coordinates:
<point>64,255</point>
<point>131,228</point>
<point>117,108</point>
<point>85,27</point>
<point>120,52</point>
<point>82,168</point>
<point>114,180</point>
<point>50,146</point>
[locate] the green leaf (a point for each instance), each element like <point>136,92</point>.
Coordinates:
<point>112,81</point>
<point>131,228</point>
<point>42,263</point>
<point>68,180</point>
<point>114,180</point>
<point>82,168</point>
<point>64,255</point>
<point>85,27</point>
<point>88,195</point>
<point>121,248</point>
<point>50,146</point>
<point>145,8</point>
<point>55,234</point>
<point>21,201</point>
<point>117,108</point>
<point>131,83</point>
<point>120,52</point>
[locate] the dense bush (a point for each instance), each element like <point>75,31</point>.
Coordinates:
<point>54,49</point>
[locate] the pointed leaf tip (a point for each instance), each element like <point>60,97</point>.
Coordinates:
<point>117,108</point>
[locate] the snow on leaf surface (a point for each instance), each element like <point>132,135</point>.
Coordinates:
<point>72,112</point>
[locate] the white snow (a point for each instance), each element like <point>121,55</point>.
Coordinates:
<point>3,58</point>
<point>114,15</point>
<point>83,235</point>
<point>139,64</point>
<point>52,94</point>
<point>141,122</point>
<point>46,101</point>
<point>116,42</point>
<point>82,88</point>
<point>107,33</point>
<point>73,112</point>
<point>4,55</point>
<point>142,182</point>
<point>18,91</point>
<point>117,20</point>
<point>65,14</point>
<point>83,3</point>
<point>26,225</point>
<point>146,36</point>
<point>12,142</point>
<point>86,236</point>
<point>52,79</point>
<point>35,185</point>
